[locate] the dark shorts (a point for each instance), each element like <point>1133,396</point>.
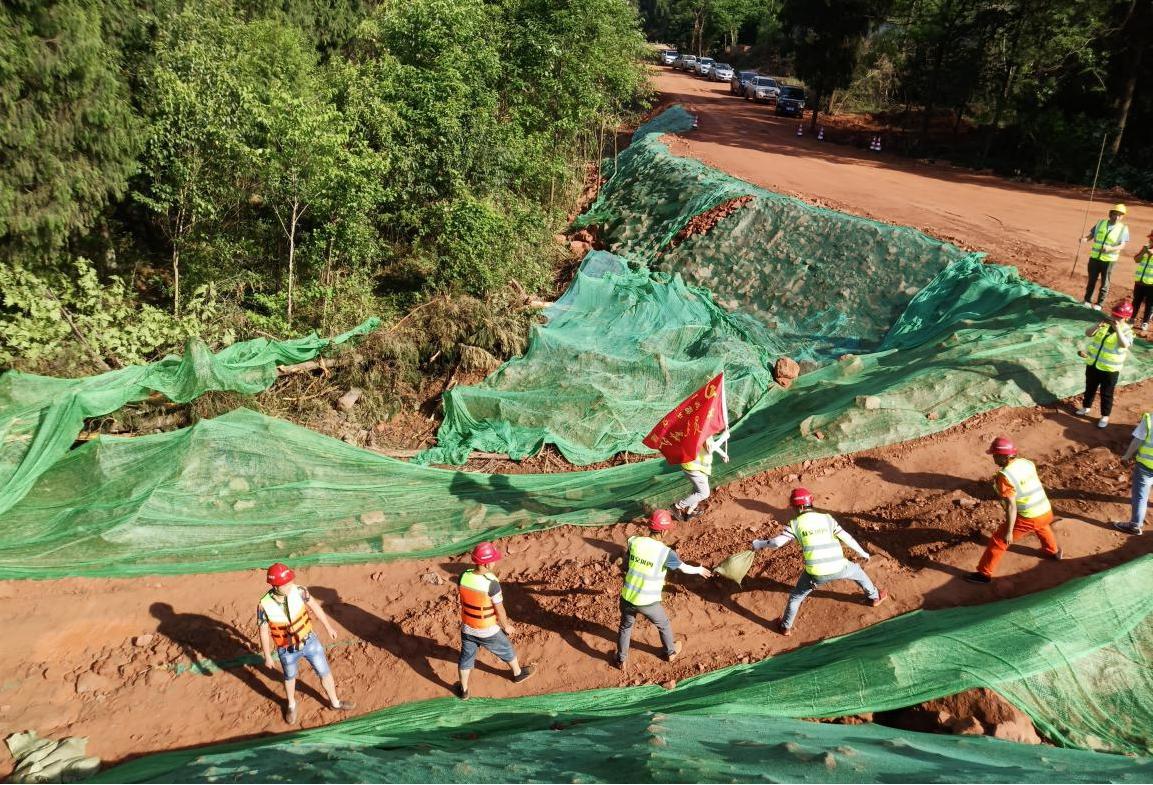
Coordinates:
<point>311,650</point>
<point>498,644</point>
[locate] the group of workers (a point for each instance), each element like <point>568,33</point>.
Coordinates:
<point>286,612</point>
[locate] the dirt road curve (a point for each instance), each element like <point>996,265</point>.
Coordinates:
<point>110,659</point>
<point>1034,227</point>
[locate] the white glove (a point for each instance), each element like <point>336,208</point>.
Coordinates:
<point>760,544</point>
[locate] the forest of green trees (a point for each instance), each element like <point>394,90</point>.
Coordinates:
<point>1028,87</point>
<point>234,168</point>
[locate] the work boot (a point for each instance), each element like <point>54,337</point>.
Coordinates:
<point>676,651</point>
<point>525,674</point>
<point>978,577</point>
<point>290,714</point>
<point>620,665</point>
<point>459,691</point>
<point>1127,527</point>
<point>782,629</point>
<point>882,595</point>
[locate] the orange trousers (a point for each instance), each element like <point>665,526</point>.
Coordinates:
<point>1022,528</point>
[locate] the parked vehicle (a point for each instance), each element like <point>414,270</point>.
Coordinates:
<point>739,80</point>
<point>720,72</point>
<point>791,101</point>
<point>669,56</point>
<point>703,65</point>
<point>763,89</point>
<point>686,62</point>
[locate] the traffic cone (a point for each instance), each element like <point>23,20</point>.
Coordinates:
<point>878,144</point>
<point>872,144</point>
<point>800,130</point>
<point>820,133</point>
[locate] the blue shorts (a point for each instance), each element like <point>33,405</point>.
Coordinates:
<point>498,644</point>
<point>311,650</point>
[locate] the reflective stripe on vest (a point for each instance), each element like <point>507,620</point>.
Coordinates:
<point>477,609</point>
<point>1105,350</point>
<point>1144,266</point>
<point>1031,499</point>
<point>646,575</point>
<point>822,549</point>
<point>703,462</point>
<point>288,618</point>
<point>1145,452</point>
<point>1106,234</point>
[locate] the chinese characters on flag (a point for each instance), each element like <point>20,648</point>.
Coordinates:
<point>682,432</point>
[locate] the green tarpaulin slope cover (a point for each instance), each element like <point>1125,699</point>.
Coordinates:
<point>245,490</point>
<point>41,416</point>
<point>1075,658</point>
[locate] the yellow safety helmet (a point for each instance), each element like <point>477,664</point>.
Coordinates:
<point>1119,208</point>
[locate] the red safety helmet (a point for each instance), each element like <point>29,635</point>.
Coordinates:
<point>801,497</point>
<point>485,553</point>
<point>660,521</point>
<point>280,574</point>
<point>1123,309</point>
<point>1002,445</point>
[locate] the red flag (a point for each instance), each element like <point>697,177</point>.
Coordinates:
<point>682,432</point>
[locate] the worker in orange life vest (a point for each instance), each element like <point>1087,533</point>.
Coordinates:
<point>483,621</point>
<point>284,616</point>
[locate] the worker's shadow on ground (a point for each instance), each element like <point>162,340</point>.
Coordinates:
<point>203,638</point>
<point>726,593</point>
<point>614,549</point>
<point>523,605</point>
<point>416,651</point>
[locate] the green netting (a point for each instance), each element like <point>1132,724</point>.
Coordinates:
<point>620,349</point>
<point>1047,653</point>
<point>245,489</point>
<point>41,416</point>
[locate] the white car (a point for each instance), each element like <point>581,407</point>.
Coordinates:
<point>703,65</point>
<point>763,89</point>
<point>686,63</point>
<point>669,56</point>
<point>721,72</point>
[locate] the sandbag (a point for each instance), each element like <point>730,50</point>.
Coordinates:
<point>737,566</point>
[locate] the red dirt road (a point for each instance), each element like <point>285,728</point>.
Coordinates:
<point>99,658</point>
<point>1034,227</point>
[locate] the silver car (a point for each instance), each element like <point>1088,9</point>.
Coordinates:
<point>763,89</point>
<point>669,56</point>
<point>703,65</point>
<point>686,62</point>
<point>720,72</point>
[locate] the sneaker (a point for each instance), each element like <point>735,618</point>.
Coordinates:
<point>1088,304</point>
<point>680,514</point>
<point>344,706</point>
<point>676,651</point>
<point>525,674</point>
<point>882,595</point>
<point>1103,422</point>
<point>1144,326</point>
<point>1082,411</point>
<point>782,629</point>
<point>1058,556</point>
<point>290,714</point>
<point>1127,527</point>
<point>978,577</point>
<point>1096,306</point>
<point>620,665</point>
<point>460,691</point>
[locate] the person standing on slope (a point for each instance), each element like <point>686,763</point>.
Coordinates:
<point>1109,237</point>
<point>1141,453</point>
<point>483,621</point>
<point>284,616</point>
<point>820,538</point>
<point>1027,509</point>
<point>1104,357</point>
<point>698,471</point>
<point>649,559</point>
<point>1143,283</point>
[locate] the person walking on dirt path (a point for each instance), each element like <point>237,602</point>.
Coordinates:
<point>1027,509</point>
<point>698,472</point>
<point>1143,283</point>
<point>483,621</point>
<point>820,538</point>
<point>649,559</point>
<point>1140,451</point>
<point>1109,237</point>
<point>1104,357</point>
<point>284,616</point>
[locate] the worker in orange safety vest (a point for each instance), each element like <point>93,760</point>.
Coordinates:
<point>284,616</point>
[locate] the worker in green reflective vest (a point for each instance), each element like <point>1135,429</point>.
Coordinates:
<point>820,538</point>
<point>1143,283</point>
<point>649,559</point>
<point>1108,238</point>
<point>1141,453</point>
<point>1104,357</point>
